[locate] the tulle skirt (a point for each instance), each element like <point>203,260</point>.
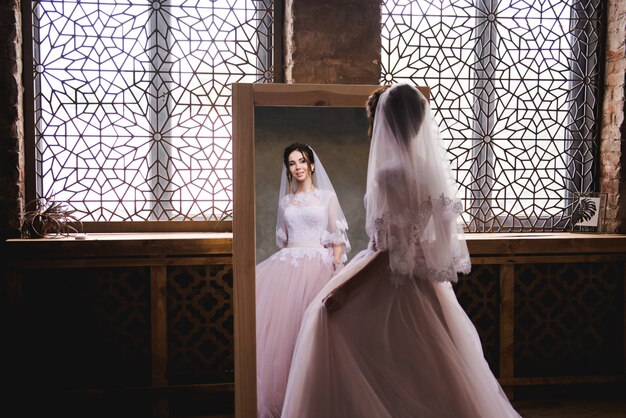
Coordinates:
<point>285,285</point>
<point>391,351</point>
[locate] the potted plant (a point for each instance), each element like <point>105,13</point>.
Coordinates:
<point>46,217</point>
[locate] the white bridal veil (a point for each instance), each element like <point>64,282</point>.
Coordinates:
<point>411,204</point>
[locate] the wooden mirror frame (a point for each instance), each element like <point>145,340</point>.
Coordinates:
<point>245,97</point>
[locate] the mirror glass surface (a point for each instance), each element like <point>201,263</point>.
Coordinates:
<point>339,138</point>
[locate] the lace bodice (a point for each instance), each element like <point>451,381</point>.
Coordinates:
<point>309,221</point>
<point>312,224</point>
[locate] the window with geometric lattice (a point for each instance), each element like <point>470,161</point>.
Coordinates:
<point>132,104</point>
<point>516,89</point>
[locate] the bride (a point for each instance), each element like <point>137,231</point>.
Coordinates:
<point>386,337</point>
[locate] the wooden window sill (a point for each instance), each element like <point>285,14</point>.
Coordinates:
<point>121,245</point>
<point>166,244</point>
<point>545,243</point>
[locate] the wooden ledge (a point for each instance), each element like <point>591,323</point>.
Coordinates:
<point>118,245</point>
<point>167,244</point>
<point>545,243</point>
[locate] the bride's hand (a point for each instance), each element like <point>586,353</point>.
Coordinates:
<point>335,299</point>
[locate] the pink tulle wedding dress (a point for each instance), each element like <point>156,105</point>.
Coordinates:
<point>399,345</point>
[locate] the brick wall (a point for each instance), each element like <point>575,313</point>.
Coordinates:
<point>612,149</point>
<point>331,42</point>
<point>11,119</point>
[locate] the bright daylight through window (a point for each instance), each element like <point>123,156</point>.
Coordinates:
<point>132,103</point>
<point>515,86</point>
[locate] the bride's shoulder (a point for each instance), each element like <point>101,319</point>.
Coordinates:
<point>324,194</point>
<point>286,200</point>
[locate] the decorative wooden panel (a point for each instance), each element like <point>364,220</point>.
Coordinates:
<point>200,324</point>
<point>479,295</point>
<point>569,319</point>
<point>134,326</point>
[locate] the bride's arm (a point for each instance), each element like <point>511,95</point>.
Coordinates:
<point>338,296</point>
<point>337,253</point>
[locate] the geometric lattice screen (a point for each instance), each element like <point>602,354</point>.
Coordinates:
<point>132,103</point>
<point>515,89</point>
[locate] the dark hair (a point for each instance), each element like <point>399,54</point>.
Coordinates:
<point>306,151</point>
<point>370,107</point>
<point>406,106</point>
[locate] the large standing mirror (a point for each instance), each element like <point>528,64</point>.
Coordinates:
<point>266,119</point>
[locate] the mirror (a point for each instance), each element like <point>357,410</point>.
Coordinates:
<point>266,119</point>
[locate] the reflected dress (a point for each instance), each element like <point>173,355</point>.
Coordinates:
<point>286,283</point>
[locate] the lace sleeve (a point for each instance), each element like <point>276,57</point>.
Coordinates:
<point>281,238</point>
<point>421,237</point>
<point>336,230</point>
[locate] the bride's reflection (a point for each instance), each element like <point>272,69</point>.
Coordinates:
<point>338,136</point>
<point>310,229</point>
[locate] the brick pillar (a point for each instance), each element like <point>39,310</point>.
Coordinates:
<point>11,119</point>
<point>613,142</point>
<point>11,187</point>
<point>332,42</point>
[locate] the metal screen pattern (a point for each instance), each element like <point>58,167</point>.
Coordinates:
<point>515,90</point>
<point>132,103</point>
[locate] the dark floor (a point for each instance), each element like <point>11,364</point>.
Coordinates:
<point>574,401</point>
<point>572,408</point>
<point>580,408</point>
<point>611,408</point>
<point>592,401</point>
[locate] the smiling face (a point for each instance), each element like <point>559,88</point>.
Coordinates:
<point>299,167</point>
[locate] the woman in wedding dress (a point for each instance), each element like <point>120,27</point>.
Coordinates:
<point>311,232</point>
<point>386,337</point>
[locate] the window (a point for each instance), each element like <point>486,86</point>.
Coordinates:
<point>516,91</point>
<point>132,103</point>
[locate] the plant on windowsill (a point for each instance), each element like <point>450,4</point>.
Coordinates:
<point>49,219</point>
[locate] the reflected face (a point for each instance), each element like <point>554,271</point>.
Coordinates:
<point>299,167</point>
